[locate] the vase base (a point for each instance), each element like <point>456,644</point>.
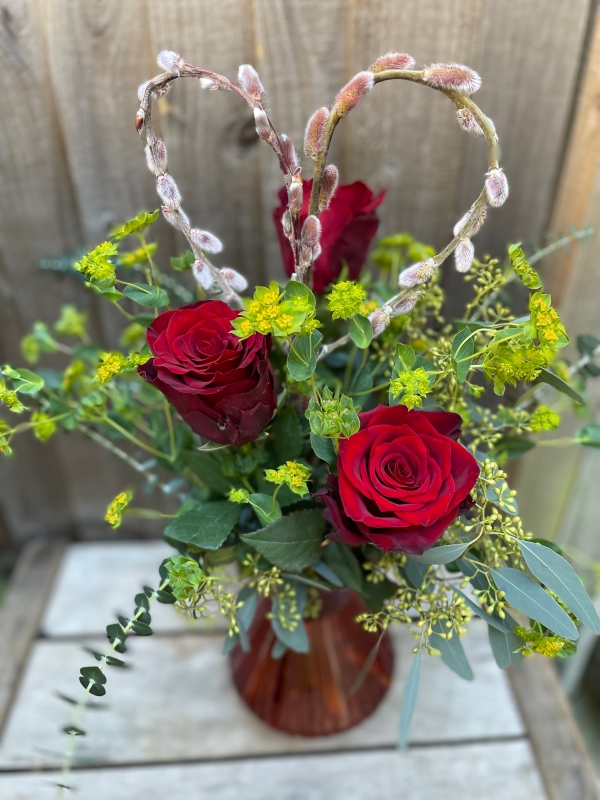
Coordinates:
<point>326,690</point>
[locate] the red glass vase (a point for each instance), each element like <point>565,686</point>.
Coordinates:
<point>315,694</point>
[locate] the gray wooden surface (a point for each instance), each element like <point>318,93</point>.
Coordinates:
<point>174,720</point>
<point>71,163</point>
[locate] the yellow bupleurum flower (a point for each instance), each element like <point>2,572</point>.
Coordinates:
<point>543,419</point>
<point>345,299</point>
<point>96,265</point>
<point>291,474</point>
<point>270,313</point>
<point>44,426</point>
<point>239,496</point>
<point>413,385</point>
<point>114,512</point>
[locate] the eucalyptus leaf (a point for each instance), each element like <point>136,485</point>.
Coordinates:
<point>293,542</point>
<point>146,295</point>
<point>93,674</point>
<point>462,351</point>
<point>302,358</point>
<point>557,383</point>
<point>503,644</point>
<point>207,527</point>
<point>409,699</point>
<point>296,639</point>
<point>527,596</point>
<point>344,563</point>
<point>589,435</point>
<point>325,571</point>
<point>361,331</point>
<point>229,643</point>
<point>558,575</point>
<point>245,613</point>
<point>415,571</point>
<point>453,654</point>
<point>442,554</point>
<point>493,620</point>
<point>278,650</point>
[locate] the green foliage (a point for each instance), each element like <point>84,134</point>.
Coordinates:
<point>302,359</point>
<point>361,331</point>
<point>146,295</point>
<point>521,266</point>
<point>183,262</point>
<point>206,527</point>
<point>135,225</point>
<point>291,543</point>
<point>185,576</point>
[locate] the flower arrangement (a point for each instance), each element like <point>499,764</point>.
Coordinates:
<point>335,430</point>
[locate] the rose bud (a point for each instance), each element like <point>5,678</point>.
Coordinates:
<point>206,241</point>
<point>222,386</point>
<point>168,191</point>
<point>349,225</point>
<point>496,187</point>
<point>456,77</point>
<point>403,479</point>
<point>315,132</point>
<point>393,61</point>
<point>463,255</point>
<point>353,92</point>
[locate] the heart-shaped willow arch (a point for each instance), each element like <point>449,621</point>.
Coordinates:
<point>456,81</point>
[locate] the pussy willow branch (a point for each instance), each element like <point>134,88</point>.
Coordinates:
<point>460,101</point>
<point>288,164</point>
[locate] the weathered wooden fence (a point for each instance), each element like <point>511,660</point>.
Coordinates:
<point>71,163</point>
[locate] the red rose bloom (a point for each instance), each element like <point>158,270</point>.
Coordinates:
<point>223,387</point>
<point>348,226</point>
<point>403,478</point>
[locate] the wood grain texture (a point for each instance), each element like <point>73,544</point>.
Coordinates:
<point>20,613</point>
<point>466,772</point>
<point>178,703</point>
<point>561,755</point>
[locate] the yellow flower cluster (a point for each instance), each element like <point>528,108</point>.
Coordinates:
<point>345,299</point>
<point>548,326</point>
<point>112,364</point>
<point>4,438</point>
<point>269,311</point>
<point>413,385</point>
<point>44,425</point>
<point>239,496</point>
<point>96,265</point>
<point>550,646</point>
<point>522,267</point>
<point>511,362</point>
<point>10,399</point>
<point>115,510</point>
<point>543,419</point>
<point>139,256</point>
<point>71,322</point>
<point>367,307</point>
<point>292,474</point>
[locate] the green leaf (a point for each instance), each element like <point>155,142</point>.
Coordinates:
<point>299,291</point>
<point>325,571</point>
<point>409,699</point>
<point>168,598</point>
<point>558,575</point>
<point>93,674</point>
<point>293,542</point>
<point>405,358</point>
<point>141,601</point>
<point>442,554</point>
<point>324,448</point>
<point>229,643</point>
<point>513,446</point>
<point>24,380</point>
<point>245,614</point>
<point>141,628</point>
<point>344,563</point>
<point>112,294</point>
<point>278,650</point>
<point>135,225</point>
<point>528,596</point>
<point>146,295</point>
<point>302,359</point>
<point>267,509</point>
<point>453,654</point>
<point>589,435</point>
<point>296,639</point>
<point>376,594</point>
<point>361,331</point>
<point>183,262</point>
<point>415,572</point>
<point>207,527</point>
<point>493,620</point>
<point>462,350</point>
<point>286,434</point>
<point>208,469</point>
<point>503,644</point>
<point>96,689</point>
<point>557,383</point>
<point>116,633</point>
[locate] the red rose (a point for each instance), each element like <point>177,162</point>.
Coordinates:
<point>348,226</point>
<point>224,388</point>
<point>403,478</point>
